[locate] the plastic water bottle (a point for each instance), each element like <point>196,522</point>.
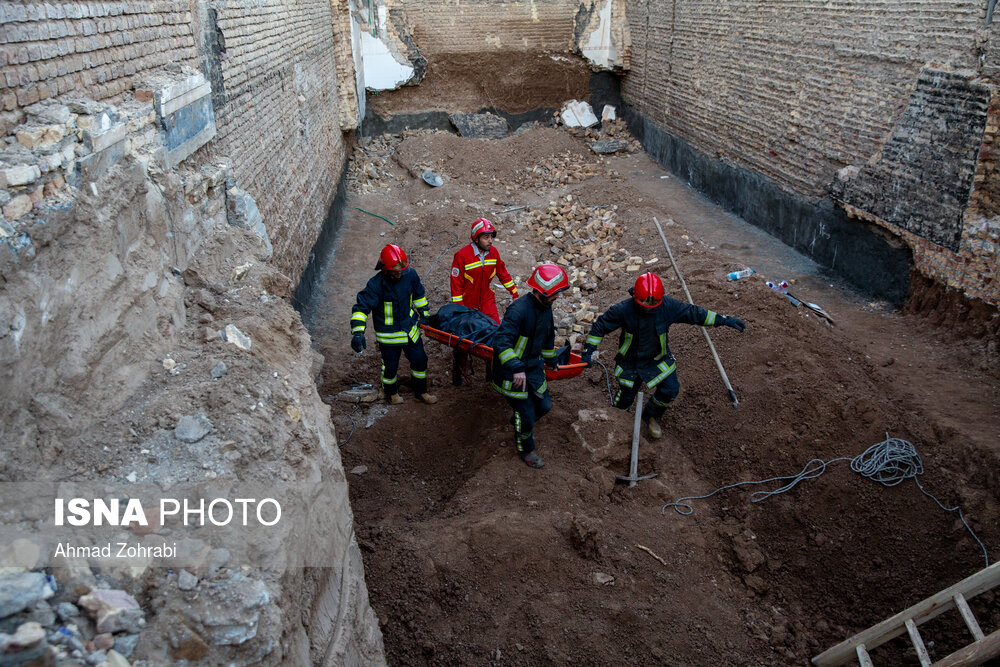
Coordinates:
<point>736,275</point>
<point>780,288</point>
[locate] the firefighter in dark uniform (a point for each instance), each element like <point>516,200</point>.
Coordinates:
<point>643,350</point>
<point>522,347</point>
<point>394,297</point>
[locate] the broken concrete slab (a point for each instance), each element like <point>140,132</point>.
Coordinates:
<point>480,125</point>
<point>577,114</point>
<point>608,146</point>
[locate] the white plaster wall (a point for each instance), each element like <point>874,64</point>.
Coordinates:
<point>383,69</point>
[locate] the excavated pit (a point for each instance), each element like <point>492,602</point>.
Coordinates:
<point>471,557</point>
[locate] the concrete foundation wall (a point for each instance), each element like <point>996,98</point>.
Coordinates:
<point>794,93</point>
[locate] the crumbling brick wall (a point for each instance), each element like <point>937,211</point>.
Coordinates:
<point>280,117</point>
<point>444,26</point>
<point>99,49</point>
<point>797,92</point>
<point>275,87</point>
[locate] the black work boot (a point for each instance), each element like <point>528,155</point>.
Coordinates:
<point>532,459</point>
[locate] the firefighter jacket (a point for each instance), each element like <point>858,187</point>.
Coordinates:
<point>393,306</point>
<point>643,347</point>
<point>522,344</point>
<point>471,277</point>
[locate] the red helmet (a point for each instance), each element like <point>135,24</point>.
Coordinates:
<point>648,290</point>
<point>482,226</point>
<point>390,258</point>
<point>549,279</point>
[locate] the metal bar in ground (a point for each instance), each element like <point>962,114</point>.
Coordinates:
<point>708,339</point>
<point>633,466</point>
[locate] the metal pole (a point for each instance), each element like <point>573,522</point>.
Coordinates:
<point>633,466</point>
<point>708,339</point>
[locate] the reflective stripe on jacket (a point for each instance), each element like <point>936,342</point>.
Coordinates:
<point>471,277</point>
<point>526,338</point>
<point>644,341</point>
<point>393,306</point>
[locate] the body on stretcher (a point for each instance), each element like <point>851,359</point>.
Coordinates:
<point>561,372</point>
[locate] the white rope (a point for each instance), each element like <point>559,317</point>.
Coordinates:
<point>888,463</point>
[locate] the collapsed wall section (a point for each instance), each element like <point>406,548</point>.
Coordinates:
<point>513,57</point>
<point>785,96</point>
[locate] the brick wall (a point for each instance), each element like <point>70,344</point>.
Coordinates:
<point>98,49</point>
<point>279,120</point>
<point>922,178</point>
<point>796,91</point>
<point>277,108</point>
<point>474,26</point>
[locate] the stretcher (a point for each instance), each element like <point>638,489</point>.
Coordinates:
<point>561,372</point>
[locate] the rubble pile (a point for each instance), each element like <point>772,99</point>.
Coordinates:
<point>566,169</point>
<point>610,130</point>
<point>45,148</point>
<point>585,241</point>
<point>368,170</point>
<point>67,618</point>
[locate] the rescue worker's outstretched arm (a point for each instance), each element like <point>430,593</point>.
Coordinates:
<point>366,301</point>
<point>457,276</point>
<point>505,279</point>
<point>692,314</point>
<point>607,323</point>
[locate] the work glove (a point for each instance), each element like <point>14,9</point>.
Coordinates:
<point>588,356</point>
<point>552,363</point>
<point>734,322</point>
<point>424,319</point>
<point>358,342</point>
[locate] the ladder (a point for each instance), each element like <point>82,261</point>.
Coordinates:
<point>982,648</point>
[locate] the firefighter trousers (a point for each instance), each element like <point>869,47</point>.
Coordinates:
<point>390,366</point>
<point>527,412</point>
<point>665,392</point>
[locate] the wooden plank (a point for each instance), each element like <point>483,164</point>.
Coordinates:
<point>970,618</point>
<point>863,656</point>
<point>923,611</point>
<point>918,643</point>
<point>974,654</point>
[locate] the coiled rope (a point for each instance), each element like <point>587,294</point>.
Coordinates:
<point>888,462</point>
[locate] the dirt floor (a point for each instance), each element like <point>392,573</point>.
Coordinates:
<point>473,558</point>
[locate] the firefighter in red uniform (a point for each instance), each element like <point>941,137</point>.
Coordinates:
<point>472,271</point>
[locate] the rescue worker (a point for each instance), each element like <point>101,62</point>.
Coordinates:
<point>472,270</point>
<point>643,350</point>
<point>522,347</point>
<point>394,297</point>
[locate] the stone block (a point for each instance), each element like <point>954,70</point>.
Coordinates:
<point>18,207</point>
<point>21,174</point>
<point>99,139</point>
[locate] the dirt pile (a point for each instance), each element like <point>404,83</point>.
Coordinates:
<point>471,557</point>
<point>120,381</point>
